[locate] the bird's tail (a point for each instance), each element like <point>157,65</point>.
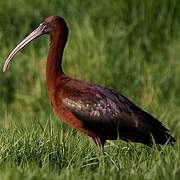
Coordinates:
<point>154,130</point>
<point>162,138</point>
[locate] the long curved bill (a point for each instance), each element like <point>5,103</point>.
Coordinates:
<point>36,33</point>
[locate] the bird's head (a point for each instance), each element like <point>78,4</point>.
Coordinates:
<point>50,25</point>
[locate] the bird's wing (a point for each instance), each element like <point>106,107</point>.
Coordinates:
<point>97,107</point>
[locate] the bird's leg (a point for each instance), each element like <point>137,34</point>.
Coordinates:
<point>99,142</point>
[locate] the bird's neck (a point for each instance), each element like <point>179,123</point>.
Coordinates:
<point>54,60</point>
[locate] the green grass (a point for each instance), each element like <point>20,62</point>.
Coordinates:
<point>131,46</point>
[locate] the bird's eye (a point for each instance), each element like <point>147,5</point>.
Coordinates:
<point>45,27</point>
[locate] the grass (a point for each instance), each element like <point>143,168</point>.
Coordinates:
<point>130,46</point>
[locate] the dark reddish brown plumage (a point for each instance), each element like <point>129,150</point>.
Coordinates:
<point>99,112</point>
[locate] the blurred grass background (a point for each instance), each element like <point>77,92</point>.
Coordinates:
<point>132,46</point>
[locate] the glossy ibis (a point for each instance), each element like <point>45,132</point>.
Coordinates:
<point>99,112</point>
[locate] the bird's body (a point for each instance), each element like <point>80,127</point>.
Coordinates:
<point>104,114</point>
<point>99,112</point>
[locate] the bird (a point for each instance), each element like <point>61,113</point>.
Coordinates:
<point>96,111</point>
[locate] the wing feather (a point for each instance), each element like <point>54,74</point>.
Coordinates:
<point>100,109</point>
